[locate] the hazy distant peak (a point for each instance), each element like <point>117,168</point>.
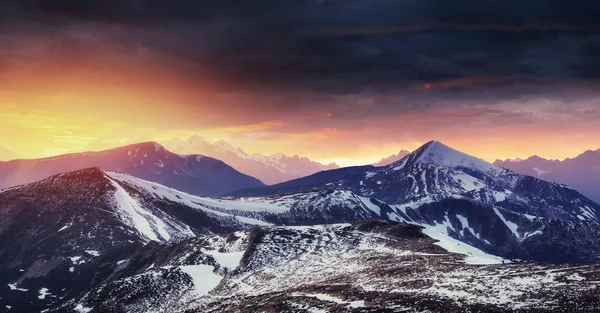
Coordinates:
<point>392,158</point>
<point>270,169</point>
<point>6,154</point>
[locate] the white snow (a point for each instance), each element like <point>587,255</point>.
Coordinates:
<point>81,309</point>
<point>326,297</point>
<point>203,277</point>
<point>76,260</point>
<point>575,277</point>
<point>500,196</point>
<point>512,226</point>
<point>588,212</point>
<point>13,286</point>
<point>440,154</point>
<point>92,252</point>
<point>370,174</point>
<point>43,293</point>
<point>537,232</point>
<point>370,205</point>
<point>229,260</point>
<point>211,204</point>
<point>122,261</point>
<point>64,227</point>
<point>71,269</point>
<point>252,221</point>
<point>468,182</point>
<point>464,222</point>
<point>473,255</point>
<point>148,225</point>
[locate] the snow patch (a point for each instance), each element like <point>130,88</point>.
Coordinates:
<point>43,293</point>
<point>370,205</point>
<point>229,260</point>
<point>464,222</point>
<point>92,252</point>
<point>468,182</point>
<point>13,286</point>
<point>81,309</point>
<point>575,277</point>
<point>203,277</point>
<point>440,154</point>
<point>76,260</point>
<point>473,255</point>
<point>512,226</point>
<point>148,225</point>
<point>251,221</point>
<point>326,297</point>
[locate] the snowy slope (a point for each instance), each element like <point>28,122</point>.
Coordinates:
<point>292,209</point>
<point>437,153</point>
<point>371,265</point>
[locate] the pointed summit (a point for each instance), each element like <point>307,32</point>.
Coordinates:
<point>197,139</point>
<point>437,153</point>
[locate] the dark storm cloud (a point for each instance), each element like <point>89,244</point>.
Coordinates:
<point>455,47</point>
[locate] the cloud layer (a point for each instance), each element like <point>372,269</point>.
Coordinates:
<point>275,70</point>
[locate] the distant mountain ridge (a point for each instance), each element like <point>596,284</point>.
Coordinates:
<point>6,154</point>
<point>271,169</point>
<point>581,172</point>
<point>392,158</point>
<point>196,174</point>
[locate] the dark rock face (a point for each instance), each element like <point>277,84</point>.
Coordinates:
<point>194,174</point>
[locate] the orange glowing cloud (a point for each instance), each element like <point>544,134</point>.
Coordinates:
<point>459,82</point>
<point>57,105</point>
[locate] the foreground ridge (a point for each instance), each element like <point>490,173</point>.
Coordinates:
<point>353,267</point>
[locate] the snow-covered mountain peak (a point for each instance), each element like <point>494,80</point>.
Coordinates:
<point>437,153</point>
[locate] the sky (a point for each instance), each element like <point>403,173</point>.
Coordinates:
<point>347,81</point>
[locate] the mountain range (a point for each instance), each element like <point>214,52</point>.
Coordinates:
<point>410,236</point>
<point>581,172</point>
<point>97,241</point>
<point>439,186</point>
<point>195,174</point>
<point>270,169</point>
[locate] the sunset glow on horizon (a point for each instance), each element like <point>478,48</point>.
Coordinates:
<point>81,80</point>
